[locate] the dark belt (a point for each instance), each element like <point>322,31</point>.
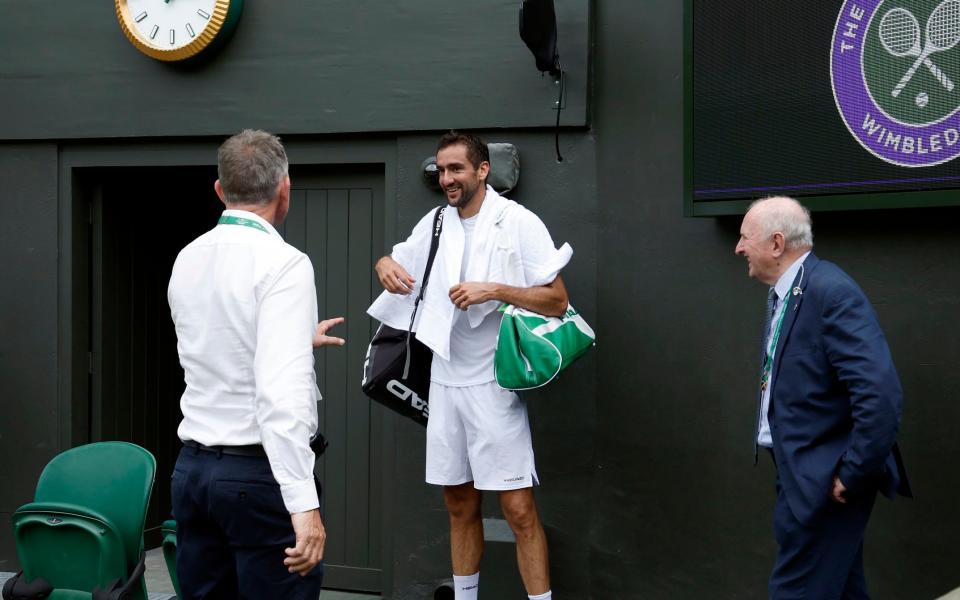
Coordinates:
<point>318,444</point>
<point>255,450</point>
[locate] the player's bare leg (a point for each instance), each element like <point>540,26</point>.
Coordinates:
<point>466,527</point>
<point>520,511</point>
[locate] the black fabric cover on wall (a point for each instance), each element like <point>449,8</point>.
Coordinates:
<point>538,30</point>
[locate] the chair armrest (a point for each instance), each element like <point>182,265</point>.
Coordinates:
<point>64,508</point>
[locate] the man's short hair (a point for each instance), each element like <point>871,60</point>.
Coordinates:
<point>251,165</point>
<point>477,151</point>
<point>795,223</point>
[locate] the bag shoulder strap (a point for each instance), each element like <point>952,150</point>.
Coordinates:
<point>432,254</point>
<point>434,244</point>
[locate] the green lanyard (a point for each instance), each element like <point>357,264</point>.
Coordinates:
<point>228,220</point>
<point>768,363</point>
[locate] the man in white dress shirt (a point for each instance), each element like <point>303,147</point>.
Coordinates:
<point>245,309</point>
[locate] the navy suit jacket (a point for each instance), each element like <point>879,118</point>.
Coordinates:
<point>835,401</point>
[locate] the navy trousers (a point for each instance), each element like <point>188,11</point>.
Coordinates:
<point>824,560</point>
<point>232,529</point>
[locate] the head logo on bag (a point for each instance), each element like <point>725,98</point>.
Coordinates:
<point>407,395</point>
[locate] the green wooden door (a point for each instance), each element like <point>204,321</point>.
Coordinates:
<point>337,220</point>
<point>136,380</point>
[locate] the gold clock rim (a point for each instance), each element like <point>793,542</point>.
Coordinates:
<point>203,39</point>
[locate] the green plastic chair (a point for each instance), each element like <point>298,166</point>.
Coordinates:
<point>84,529</point>
<point>169,532</point>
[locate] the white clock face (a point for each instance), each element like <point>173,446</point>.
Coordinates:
<point>170,24</point>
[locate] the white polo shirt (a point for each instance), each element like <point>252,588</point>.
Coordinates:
<point>471,349</point>
<point>244,305</point>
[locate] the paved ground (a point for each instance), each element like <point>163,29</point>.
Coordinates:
<point>160,587</point>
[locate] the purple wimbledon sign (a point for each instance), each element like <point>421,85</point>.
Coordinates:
<point>892,67</point>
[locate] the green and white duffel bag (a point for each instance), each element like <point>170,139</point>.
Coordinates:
<point>532,349</point>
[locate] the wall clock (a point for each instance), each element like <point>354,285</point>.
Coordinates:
<point>174,30</point>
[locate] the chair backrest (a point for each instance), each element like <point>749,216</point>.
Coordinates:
<point>113,479</point>
<point>72,551</point>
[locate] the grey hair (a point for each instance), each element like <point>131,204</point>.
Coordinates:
<point>789,217</point>
<point>251,165</point>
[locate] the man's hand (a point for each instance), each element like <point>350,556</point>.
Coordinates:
<point>838,489</point>
<point>468,293</point>
<point>311,538</point>
<point>320,338</point>
<point>393,277</point>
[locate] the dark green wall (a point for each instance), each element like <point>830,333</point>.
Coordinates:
<point>644,448</point>
<point>291,67</point>
<point>28,325</point>
<point>678,510</point>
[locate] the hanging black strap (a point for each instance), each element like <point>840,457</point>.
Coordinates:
<point>17,588</point>
<point>434,244</point>
<point>561,84</point>
<point>117,590</point>
<point>538,30</point>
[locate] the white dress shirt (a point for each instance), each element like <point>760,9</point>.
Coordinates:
<point>244,305</point>
<point>782,288</point>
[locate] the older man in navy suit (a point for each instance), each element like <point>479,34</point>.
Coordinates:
<point>829,406</point>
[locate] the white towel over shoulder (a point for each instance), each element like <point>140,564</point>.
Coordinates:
<point>511,246</point>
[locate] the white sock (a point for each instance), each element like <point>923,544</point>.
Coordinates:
<point>465,586</point>
<point>548,595</point>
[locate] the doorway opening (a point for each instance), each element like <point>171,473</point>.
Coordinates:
<point>139,220</point>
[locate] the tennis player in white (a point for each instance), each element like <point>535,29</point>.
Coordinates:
<point>491,250</point>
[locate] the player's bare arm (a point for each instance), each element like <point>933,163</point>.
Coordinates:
<point>393,277</point>
<point>550,300</point>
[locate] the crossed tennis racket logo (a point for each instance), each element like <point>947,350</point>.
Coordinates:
<point>900,36</point>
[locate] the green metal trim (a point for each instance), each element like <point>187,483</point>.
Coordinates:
<point>223,36</point>
<point>229,26</point>
<point>233,15</point>
<point>886,200</point>
<point>688,204</point>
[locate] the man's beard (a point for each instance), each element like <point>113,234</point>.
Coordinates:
<point>466,195</point>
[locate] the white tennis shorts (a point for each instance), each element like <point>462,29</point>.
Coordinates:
<point>479,433</point>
